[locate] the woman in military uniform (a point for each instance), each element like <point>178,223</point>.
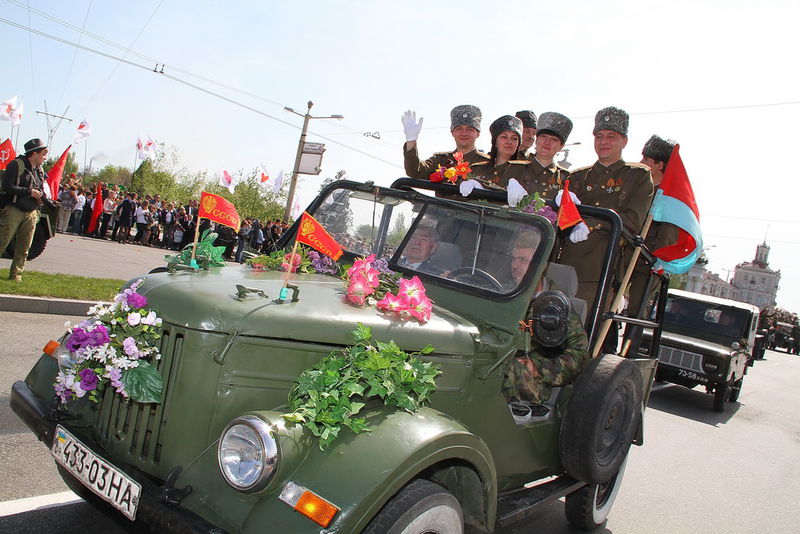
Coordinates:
<point>543,175</point>
<point>502,167</point>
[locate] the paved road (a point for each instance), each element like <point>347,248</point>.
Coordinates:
<point>699,471</point>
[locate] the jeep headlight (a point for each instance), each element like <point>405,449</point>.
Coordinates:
<point>247,453</point>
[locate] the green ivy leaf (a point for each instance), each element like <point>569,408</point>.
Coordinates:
<point>143,383</point>
<point>427,349</point>
<point>362,333</point>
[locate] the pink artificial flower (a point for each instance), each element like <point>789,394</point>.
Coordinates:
<point>372,277</point>
<point>393,303</point>
<point>358,289</point>
<point>422,311</point>
<point>412,291</point>
<point>358,300</point>
<point>361,264</point>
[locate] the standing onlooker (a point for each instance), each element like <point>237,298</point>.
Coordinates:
<point>168,215</point>
<point>86,216</point>
<point>126,209</point>
<point>67,197</point>
<point>23,192</point>
<point>77,212</point>
<point>244,237</point>
<point>141,219</point>
<point>109,207</point>
<point>149,222</point>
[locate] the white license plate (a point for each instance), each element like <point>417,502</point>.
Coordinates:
<point>691,375</point>
<point>111,484</point>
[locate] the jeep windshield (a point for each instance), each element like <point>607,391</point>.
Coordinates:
<point>473,248</point>
<point>704,320</point>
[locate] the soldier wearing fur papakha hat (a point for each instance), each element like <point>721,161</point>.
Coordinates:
<point>465,126</point>
<point>655,155</point>
<point>544,175</point>
<point>528,119</point>
<point>610,183</point>
<point>502,165</point>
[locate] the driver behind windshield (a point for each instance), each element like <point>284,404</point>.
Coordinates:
<point>422,244</point>
<point>531,377</point>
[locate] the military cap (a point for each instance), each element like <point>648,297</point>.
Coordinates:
<point>556,124</point>
<point>527,117</point>
<point>613,119</point>
<point>506,123</point>
<point>465,115</point>
<point>34,145</point>
<point>658,149</point>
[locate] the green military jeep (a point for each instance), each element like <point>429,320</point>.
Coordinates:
<point>707,341</point>
<point>216,455</point>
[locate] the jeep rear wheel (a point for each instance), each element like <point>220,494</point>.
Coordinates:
<point>588,508</point>
<point>601,420</point>
<point>422,507</point>
<point>721,393</point>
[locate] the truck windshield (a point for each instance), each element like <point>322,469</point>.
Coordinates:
<point>472,247</point>
<point>705,320</point>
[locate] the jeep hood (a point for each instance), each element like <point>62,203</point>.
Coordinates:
<point>208,301</point>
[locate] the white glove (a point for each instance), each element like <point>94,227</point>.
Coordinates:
<point>572,195</point>
<point>410,125</point>
<point>465,188</point>
<point>579,233</point>
<point>515,192</point>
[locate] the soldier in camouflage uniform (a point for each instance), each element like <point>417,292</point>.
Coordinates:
<point>531,377</point>
<point>501,166</point>
<point>543,175</point>
<point>465,126</point>
<point>528,119</point>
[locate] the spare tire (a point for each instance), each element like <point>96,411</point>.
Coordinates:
<point>601,419</point>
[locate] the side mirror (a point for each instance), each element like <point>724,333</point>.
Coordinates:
<point>550,314</point>
<point>735,345</point>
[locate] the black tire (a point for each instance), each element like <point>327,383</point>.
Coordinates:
<point>40,238</point>
<point>736,388</point>
<point>601,419</point>
<point>159,270</point>
<point>588,508</point>
<point>419,508</point>
<point>721,393</point>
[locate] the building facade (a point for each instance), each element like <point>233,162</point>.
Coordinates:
<point>755,282</point>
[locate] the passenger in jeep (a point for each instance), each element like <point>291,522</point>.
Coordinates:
<point>531,377</point>
<point>422,244</point>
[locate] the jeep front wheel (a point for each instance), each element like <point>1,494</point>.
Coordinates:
<point>588,508</point>
<point>422,507</point>
<point>721,393</point>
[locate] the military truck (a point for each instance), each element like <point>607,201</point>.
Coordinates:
<point>216,455</point>
<point>45,229</point>
<point>707,341</point>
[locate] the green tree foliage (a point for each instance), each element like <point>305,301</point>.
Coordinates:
<point>398,230</point>
<point>110,174</point>
<point>70,167</point>
<point>251,198</point>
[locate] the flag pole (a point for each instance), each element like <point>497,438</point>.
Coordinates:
<point>192,262</point>
<point>606,326</point>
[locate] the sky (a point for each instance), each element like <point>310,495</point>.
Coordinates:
<point>718,77</point>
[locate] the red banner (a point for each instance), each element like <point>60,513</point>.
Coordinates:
<point>568,214</point>
<point>217,209</point>
<point>6,153</point>
<point>312,233</point>
<point>97,209</point>
<point>54,176</point>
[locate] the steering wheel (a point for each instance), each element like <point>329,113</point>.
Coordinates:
<point>468,274</point>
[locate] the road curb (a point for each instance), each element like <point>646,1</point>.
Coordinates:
<point>49,305</point>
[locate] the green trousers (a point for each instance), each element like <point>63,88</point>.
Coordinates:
<point>22,224</point>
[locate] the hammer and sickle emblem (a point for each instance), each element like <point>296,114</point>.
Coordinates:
<point>209,203</point>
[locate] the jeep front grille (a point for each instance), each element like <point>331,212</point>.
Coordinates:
<point>681,358</point>
<point>134,429</point>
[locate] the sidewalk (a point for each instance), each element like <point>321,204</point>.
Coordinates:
<point>82,256</point>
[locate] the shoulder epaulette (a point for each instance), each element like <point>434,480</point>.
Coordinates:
<point>482,154</point>
<point>478,163</point>
<point>581,169</point>
<point>442,153</point>
<point>519,161</point>
<point>637,165</point>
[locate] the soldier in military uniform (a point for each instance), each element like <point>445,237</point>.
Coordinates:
<point>543,175</point>
<point>610,183</point>
<point>528,119</point>
<point>501,166</point>
<point>465,126</point>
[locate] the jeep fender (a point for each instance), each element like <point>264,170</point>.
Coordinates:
<point>360,473</point>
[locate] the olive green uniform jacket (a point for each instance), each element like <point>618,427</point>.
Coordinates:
<point>500,174</point>
<point>547,181</point>
<point>626,188</point>
<point>423,169</point>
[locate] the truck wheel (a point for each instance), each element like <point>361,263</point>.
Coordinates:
<point>601,419</point>
<point>736,388</point>
<point>419,508</point>
<point>40,238</point>
<point>721,393</point>
<point>588,508</point>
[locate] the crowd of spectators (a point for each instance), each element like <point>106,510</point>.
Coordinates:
<point>150,221</point>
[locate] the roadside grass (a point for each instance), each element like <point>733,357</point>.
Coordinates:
<point>63,286</point>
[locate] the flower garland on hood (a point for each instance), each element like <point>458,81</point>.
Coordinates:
<point>112,348</point>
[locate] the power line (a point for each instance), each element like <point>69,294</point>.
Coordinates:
<point>74,54</point>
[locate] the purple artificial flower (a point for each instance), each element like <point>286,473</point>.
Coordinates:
<point>97,337</point>
<point>89,380</point>
<point>382,266</point>
<point>76,340</point>
<point>322,263</point>
<point>129,346</point>
<point>136,301</point>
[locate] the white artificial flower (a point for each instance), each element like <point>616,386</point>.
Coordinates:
<point>134,318</point>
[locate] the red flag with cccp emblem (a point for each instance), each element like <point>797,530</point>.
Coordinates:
<point>312,233</point>
<point>217,209</point>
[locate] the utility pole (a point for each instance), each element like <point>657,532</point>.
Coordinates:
<point>51,131</point>
<point>300,145</point>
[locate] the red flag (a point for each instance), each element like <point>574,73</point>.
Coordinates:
<point>54,176</point>
<point>97,210</point>
<point>314,235</point>
<point>568,213</point>
<point>6,153</point>
<point>217,209</point>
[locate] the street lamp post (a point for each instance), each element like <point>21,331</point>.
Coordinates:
<point>295,171</point>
